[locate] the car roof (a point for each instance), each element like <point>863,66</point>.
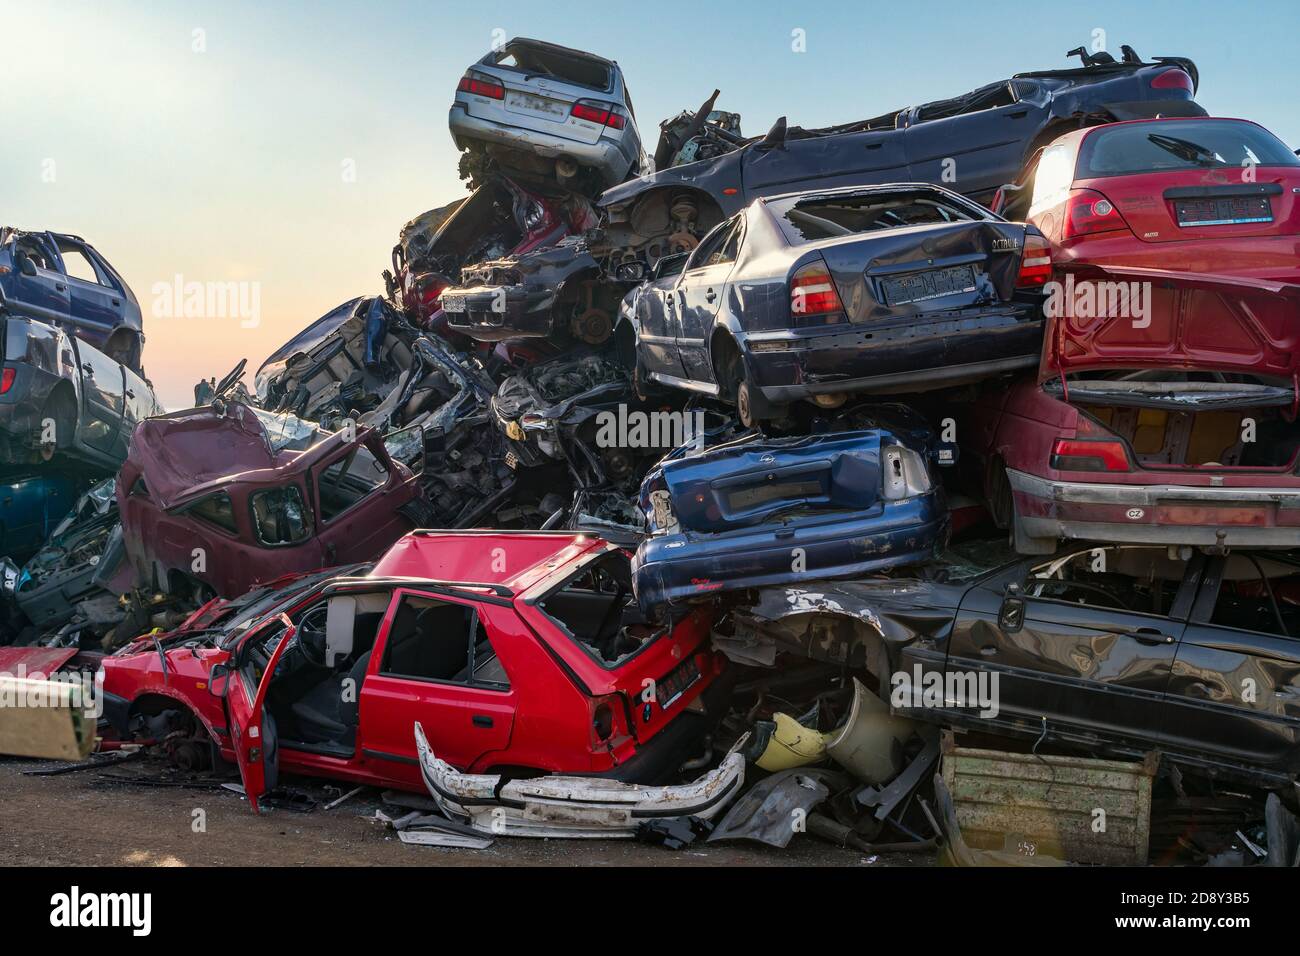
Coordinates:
<point>511,559</point>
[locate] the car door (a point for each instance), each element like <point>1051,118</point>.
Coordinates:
<point>96,305</point>
<point>103,399</point>
<point>656,318</point>
<point>699,296</point>
<point>973,152</point>
<point>1235,691</point>
<point>353,522</point>
<point>244,686</point>
<point>434,661</point>
<point>823,162</point>
<point>1084,640</point>
<point>42,296</point>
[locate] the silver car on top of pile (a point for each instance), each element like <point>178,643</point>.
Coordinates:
<point>548,108</point>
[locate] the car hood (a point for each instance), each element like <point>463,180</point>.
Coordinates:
<point>1173,320</point>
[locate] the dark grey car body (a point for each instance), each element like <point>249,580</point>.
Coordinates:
<point>727,318</point>
<point>94,402</point>
<point>972,143</point>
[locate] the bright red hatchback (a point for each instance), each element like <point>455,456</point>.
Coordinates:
<point>517,652</point>
<point>1195,194</point>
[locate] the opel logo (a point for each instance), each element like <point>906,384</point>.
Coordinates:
<point>767,459</point>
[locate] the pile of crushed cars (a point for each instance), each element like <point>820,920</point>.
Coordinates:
<point>867,482</point>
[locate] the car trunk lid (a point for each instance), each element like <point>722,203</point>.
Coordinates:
<point>542,104</point>
<point>750,482</point>
<point>1155,319</point>
<point>913,270</point>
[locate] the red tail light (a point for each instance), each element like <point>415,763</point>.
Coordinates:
<point>594,111</point>
<point>1172,80</point>
<point>481,84</point>
<point>813,292</point>
<point>7,380</point>
<point>1087,212</point>
<point>1071,455</point>
<point>1035,263</point>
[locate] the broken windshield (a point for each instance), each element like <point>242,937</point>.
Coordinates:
<point>810,220</point>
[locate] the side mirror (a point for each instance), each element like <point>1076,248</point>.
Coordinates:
<point>630,272</point>
<point>1011,615</point>
<point>775,138</point>
<point>219,680</point>
<point>26,266</point>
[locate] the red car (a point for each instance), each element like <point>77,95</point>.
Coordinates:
<point>216,502</point>
<point>1175,424</point>
<point>1200,194</point>
<point>517,652</point>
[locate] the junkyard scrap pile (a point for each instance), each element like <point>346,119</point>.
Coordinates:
<point>737,493</point>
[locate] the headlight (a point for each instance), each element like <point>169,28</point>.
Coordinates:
<point>903,474</point>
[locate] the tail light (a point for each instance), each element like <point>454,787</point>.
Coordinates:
<point>1072,455</point>
<point>1172,80</point>
<point>608,721</point>
<point>1088,212</point>
<point>1035,263</point>
<point>7,380</point>
<point>813,292</point>
<point>603,114</point>
<point>903,473</point>
<point>480,84</point>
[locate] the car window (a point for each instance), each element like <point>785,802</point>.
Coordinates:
<point>711,250</point>
<point>829,217</point>
<point>1260,592</point>
<point>215,509</point>
<point>35,250</point>
<point>78,264</point>
<point>1053,176</point>
<point>440,641</point>
<point>280,516</point>
<point>348,480</point>
<point>1119,578</point>
<point>541,62</point>
<point>1130,148</point>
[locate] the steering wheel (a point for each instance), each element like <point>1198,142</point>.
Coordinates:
<point>1084,586</point>
<point>311,636</point>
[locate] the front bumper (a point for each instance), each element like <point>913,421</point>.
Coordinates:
<point>671,570</point>
<point>950,350</point>
<point>1158,514</point>
<point>495,313</point>
<point>605,155</point>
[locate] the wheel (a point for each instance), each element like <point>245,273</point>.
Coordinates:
<point>124,347</point>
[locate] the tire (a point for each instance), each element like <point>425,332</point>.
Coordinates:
<point>61,408</point>
<point>751,407</point>
<point>734,386</point>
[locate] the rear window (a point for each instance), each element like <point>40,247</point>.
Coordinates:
<point>809,220</point>
<point>1182,144</point>
<point>562,65</point>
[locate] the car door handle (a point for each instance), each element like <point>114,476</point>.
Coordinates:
<point>60,287</point>
<point>117,302</point>
<point>1018,114</point>
<point>88,369</point>
<point>710,295</point>
<point>672,303</point>
<point>482,720</point>
<point>130,394</point>
<point>1150,636</point>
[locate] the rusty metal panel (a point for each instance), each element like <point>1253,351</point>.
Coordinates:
<point>1076,808</point>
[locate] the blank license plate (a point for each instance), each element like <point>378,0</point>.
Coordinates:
<point>1230,211</point>
<point>919,286</point>
<point>538,104</point>
<point>669,688</point>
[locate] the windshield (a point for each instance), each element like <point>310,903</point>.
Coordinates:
<point>1183,144</point>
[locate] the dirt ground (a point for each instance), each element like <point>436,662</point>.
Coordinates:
<point>91,818</point>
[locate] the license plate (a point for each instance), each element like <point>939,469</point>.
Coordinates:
<point>920,286</point>
<point>1229,211</point>
<point>452,303</point>
<point>538,104</point>
<point>669,688</point>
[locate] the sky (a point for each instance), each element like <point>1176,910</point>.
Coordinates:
<point>282,145</point>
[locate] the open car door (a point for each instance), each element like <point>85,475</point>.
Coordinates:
<point>252,734</point>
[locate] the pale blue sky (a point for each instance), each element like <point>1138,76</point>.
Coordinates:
<point>227,164</point>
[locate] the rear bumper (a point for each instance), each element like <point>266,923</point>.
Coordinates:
<point>1160,514</point>
<point>494,313</point>
<point>604,155</point>
<point>671,570</point>
<point>953,350</point>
